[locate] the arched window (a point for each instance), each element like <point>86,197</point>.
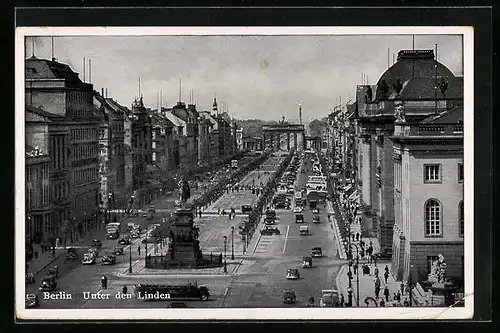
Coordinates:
<point>461,225</point>
<point>432,218</point>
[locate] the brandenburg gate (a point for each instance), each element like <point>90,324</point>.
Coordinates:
<point>274,135</point>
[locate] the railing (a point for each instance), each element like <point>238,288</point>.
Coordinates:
<point>428,130</point>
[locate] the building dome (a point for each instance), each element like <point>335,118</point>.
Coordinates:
<point>415,73</point>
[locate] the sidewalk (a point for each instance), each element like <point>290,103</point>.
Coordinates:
<point>366,284</point>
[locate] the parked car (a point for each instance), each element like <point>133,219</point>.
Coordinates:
<point>108,259</point>
<point>96,243</point>
<point>48,283</point>
<point>292,274</point>
<point>118,250</point>
<point>316,219</point>
<point>124,241</point>
<point>297,209</point>
<point>385,254</point>
<point>31,301</point>
<point>316,252</point>
<point>71,253</point>
<point>269,231</point>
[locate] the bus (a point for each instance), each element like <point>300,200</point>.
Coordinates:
<point>298,199</point>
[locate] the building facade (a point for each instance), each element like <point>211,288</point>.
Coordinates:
<point>428,193</point>
<point>410,81</point>
<point>57,89</point>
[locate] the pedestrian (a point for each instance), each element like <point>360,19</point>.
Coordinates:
<point>402,288</point>
<point>139,250</point>
<point>394,297</point>
<point>406,303</point>
<point>124,290</point>
<point>374,260</point>
<point>398,297</point>
<point>377,291</point>
<point>382,304</point>
<point>355,267</point>
<point>376,284</point>
<point>386,276</point>
<point>218,211</point>
<point>376,271</point>
<point>386,294</point>
<point>386,268</point>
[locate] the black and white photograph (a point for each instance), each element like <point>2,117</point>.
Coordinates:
<point>244,173</point>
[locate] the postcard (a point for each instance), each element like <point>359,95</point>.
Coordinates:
<point>244,173</point>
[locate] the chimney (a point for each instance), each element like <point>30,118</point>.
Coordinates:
<point>102,92</point>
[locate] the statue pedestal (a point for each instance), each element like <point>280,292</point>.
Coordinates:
<point>447,290</point>
<point>184,250</point>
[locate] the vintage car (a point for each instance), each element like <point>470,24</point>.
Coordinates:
<point>135,233</point>
<point>108,259</point>
<point>329,298</point>
<point>96,243</point>
<point>118,250</point>
<point>315,211</point>
<point>289,296</point>
<point>48,283</point>
<point>31,301</point>
<point>268,230</point>
<point>299,218</point>
<point>297,209</point>
<point>124,241</point>
<point>316,252</point>
<point>307,262</point>
<point>385,254</point>
<point>246,209</point>
<point>93,251</point>
<point>53,271</point>
<point>316,219</point>
<point>304,230</point>
<point>292,274</point>
<point>71,254</point>
<point>88,259</point>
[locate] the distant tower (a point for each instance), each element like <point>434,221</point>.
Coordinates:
<point>300,113</point>
<point>215,110</point>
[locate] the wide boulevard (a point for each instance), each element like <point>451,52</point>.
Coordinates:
<point>255,274</point>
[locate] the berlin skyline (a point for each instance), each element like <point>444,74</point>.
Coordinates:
<point>253,77</point>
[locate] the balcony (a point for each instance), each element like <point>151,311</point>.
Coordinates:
<point>426,130</point>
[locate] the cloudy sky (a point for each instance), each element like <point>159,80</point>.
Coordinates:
<point>261,77</point>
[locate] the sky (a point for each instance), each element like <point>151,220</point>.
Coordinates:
<point>253,77</point>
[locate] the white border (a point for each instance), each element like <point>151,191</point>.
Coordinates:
<point>251,313</point>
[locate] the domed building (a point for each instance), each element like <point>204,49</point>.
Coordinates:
<point>413,89</point>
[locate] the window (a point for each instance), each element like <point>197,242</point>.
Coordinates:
<point>432,218</point>
<point>430,261</point>
<point>461,225</point>
<point>460,172</point>
<point>432,173</point>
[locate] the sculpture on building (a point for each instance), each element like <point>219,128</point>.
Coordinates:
<point>399,113</point>
<point>438,270</point>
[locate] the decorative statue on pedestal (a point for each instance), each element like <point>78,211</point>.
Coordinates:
<point>438,271</point>
<point>184,192</point>
<point>399,113</point>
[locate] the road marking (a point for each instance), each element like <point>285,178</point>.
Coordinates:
<point>286,237</point>
<point>257,243</point>
<point>223,300</point>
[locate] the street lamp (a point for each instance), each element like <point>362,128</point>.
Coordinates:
<point>357,273</point>
<point>225,261</point>
<point>130,258</point>
<point>232,242</point>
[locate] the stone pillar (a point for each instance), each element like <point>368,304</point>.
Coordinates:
<point>295,140</point>
<point>288,141</point>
